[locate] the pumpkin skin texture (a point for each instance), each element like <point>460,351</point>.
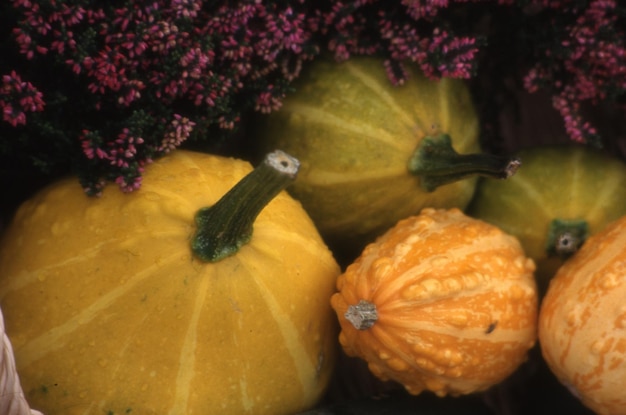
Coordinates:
<point>456,304</point>
<point>582,321</point>
<point>109,312</point>
<point>354,133</point>
<point>568,183</point>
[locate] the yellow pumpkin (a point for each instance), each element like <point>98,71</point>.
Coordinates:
<point>582,321</point>
<point>441,302</point>
<point>110,312</point>
<point>373,153</point>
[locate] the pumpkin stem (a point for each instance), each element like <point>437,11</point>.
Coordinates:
<point>227,225</point>
<point>437,163</point>
<point>566,236</point>
<point>362,315</point>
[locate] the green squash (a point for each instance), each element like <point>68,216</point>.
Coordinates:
<point>560,196</point>
<point>373,153</point>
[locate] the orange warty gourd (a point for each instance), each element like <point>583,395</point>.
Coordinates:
<point>582,322</point>
<point>110,312</point>
<point>441,302</point>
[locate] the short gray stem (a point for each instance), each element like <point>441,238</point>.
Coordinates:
<point>362,315</point>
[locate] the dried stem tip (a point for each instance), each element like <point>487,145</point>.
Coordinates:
<point>362,315</point>
<point>566,236</point>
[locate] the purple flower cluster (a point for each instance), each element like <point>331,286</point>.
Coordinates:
<point>404,31</point>
<point>577,48</point>
<point>166,70</point>
<point>127,81</point>
<point>586,64</point>
<point>17,98</point>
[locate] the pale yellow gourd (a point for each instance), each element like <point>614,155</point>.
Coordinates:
<point>373,153</point>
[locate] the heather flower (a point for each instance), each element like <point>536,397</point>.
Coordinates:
<point>129,81</point>
<point>405,32</point>
<point>575,126</point>
<point>585,62</point>
<point>266,102</point>
<point>159,72</point>
<point>178,131</point>
<point>18,97</point>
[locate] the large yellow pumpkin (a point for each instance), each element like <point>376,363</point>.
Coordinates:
<point>110,312</point>
<point>582,322</point>
<point>440,302</point>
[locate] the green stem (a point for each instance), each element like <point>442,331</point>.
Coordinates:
<point>437,163</point>
<point>226,226</point>
<point>566,236</point>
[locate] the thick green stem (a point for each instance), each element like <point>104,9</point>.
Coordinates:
<point>437,163</point>
<point>226,226</point>
<point>566,236</point>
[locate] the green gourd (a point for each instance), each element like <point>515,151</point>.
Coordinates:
<point>373,153</point>
<point>561,195</point>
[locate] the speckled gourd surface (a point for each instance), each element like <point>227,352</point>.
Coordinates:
<point>582,323</point>
<point>354,133</point>
<point>455,299</point>
<point>109,312</point>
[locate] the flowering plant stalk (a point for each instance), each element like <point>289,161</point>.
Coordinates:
<point>106,87</point>
<point>131,80</point>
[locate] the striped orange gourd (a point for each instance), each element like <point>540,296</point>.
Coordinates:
<point>441,302</point>
<point>110,313</point>
<point>582,321</point>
